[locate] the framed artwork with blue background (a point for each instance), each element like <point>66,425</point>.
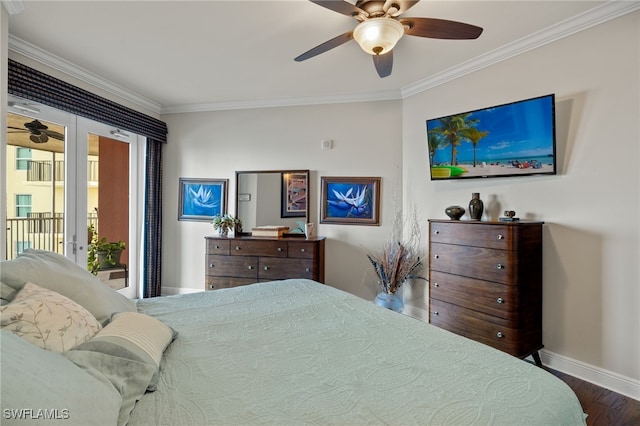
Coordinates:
<point>202,199</point>
<point>350,200</point>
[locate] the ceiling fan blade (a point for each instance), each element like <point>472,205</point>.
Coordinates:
<point>327,45</point>
<point>340,6</point>
<point>401,6</point>
<point>55,135</point>
<point>440,28</point>
<point>384,64</point>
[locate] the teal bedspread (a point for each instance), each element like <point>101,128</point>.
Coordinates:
<point>298,352</point>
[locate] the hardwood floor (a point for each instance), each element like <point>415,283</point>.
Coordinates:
<point>604,407</point>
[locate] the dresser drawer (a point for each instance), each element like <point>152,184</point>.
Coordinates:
<point>302,249</point>
<point>259,248</point>
<point>470,234</point>
<point>485,296</point>
<point>218,246</point>
<point>232,266</point>
<point>485,329</point>
<point>216,283</point>
<point>277,268</point>
<point>481,263</point>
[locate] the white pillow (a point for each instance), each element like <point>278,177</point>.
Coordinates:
<point>55,272</point>
<point>48,319</point>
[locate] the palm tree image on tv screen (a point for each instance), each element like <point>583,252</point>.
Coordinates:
<point>514,139</point>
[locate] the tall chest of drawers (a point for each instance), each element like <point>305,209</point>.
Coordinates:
<point>485,282</point>
<point>232,262</point>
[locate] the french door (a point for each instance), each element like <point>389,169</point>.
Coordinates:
<point>72,182</point>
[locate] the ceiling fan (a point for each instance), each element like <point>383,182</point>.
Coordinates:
<point>380,27</point>
<point>40,133</point>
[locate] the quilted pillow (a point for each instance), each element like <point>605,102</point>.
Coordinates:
<point>34,380</point>
<point>48,319</point>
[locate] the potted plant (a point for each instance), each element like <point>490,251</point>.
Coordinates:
<point>223,223</point>
<point>395,264</point>
<point>103,254</point>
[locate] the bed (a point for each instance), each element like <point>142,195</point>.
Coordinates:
<point>283,352</point>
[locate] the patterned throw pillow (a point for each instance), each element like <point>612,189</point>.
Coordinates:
<point>48,319</point>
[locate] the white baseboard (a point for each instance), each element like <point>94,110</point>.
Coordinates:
<point>598,376</point>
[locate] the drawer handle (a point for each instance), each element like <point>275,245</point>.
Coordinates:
<point>437,256</point>
<point>211,265</point>
<point>217,247</point>
<point>500,237</point>
<point>211,286</point>
<point>436,232</point>
<point>436,313</point>
<point>307,270</point>
<point>279,248</point>
<point>237,247</point>
<point>249,267</point>
<point>500,300</point>
<point>436,285</point>
<point>500,266</point>
<point>499,335</point>
<point>302,250</point>
<point>266,268</point>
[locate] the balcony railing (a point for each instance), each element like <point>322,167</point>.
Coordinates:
<point>42,171</point>
<point>39,231</point>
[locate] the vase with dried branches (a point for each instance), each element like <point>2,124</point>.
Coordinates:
<point>397,262</point>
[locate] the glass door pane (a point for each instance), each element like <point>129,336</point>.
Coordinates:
<point>35,185</point>
<point>108,206</point>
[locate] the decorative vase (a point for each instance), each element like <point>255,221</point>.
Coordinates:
<point>391,301</point>
<point>223,231</point>
<point>476,206</point>
<point>107,259</point>
<point>454,212</point>
<point>309,231</point>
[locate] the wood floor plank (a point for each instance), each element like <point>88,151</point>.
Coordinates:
<point>603,406</point>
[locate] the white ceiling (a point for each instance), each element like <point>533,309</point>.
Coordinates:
<point>175,56</point>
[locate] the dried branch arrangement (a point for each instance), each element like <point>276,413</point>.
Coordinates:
<point>398,260</point>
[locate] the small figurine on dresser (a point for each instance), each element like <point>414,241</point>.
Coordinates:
<point>509,216</point>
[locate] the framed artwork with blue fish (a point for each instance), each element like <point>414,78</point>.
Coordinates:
<point>350,200</point>
<point>202,199</point>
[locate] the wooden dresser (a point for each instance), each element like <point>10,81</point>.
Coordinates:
<point>485,282</point>
<point>232,262</point>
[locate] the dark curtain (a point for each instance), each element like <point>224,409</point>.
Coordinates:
<point>34,85</point>
<point>153,220</point>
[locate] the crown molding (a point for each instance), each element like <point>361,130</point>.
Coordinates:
<point>573,25</point>
<point>285,102</point>
<point>41,56</point>
<point>13,7</point>
<point>598,15</point>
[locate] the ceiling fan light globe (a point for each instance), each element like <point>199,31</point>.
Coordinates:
<point>378,36</point>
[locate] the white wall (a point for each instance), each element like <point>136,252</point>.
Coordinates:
<point>366,142</point>
<point>591,208</point>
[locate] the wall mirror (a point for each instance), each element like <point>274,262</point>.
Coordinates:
<point>273,198</point>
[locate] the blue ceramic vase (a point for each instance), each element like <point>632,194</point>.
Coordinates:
<point>390,301</point>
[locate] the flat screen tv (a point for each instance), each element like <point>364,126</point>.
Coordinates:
<point>514,139</point>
